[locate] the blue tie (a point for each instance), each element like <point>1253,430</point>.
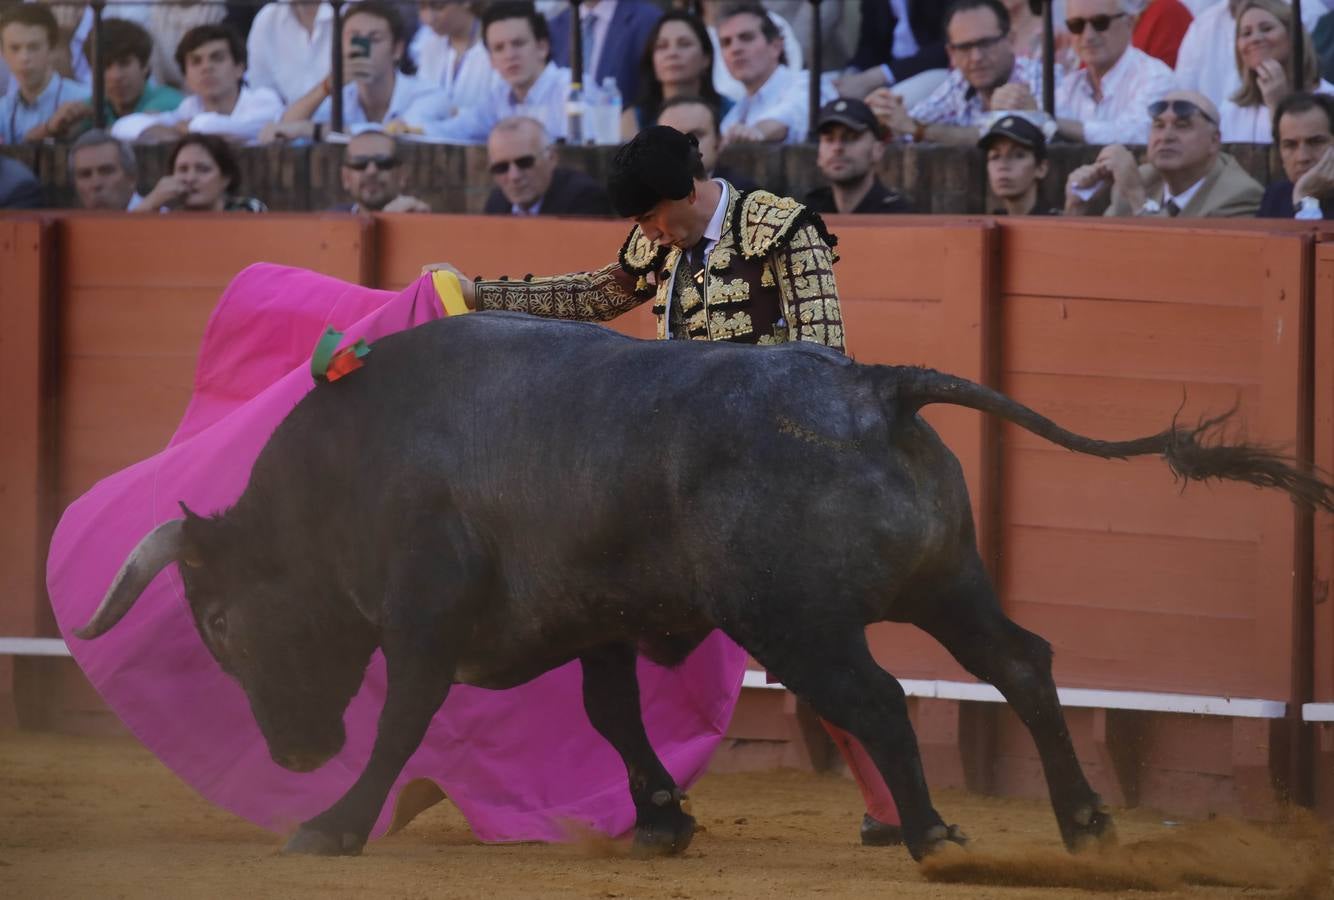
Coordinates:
<point>587,26</point>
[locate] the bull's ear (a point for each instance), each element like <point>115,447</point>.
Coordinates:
<point>155,552</point>
<point>192,525</point>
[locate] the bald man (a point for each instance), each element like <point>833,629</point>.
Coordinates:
<point>1185,174</point>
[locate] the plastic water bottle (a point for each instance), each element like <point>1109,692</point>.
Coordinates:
<point>574,114</point>
<point>611,110</point>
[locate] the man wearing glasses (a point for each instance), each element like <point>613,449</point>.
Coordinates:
<point>986,75</point>
<point>1104,101</point>
<point>373,177</point>
<point>1186,174</point>
<point>528,181</point>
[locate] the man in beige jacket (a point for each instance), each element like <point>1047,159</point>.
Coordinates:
<point>1186,174</point>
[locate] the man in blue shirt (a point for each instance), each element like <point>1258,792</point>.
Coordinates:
<point>45,104</point>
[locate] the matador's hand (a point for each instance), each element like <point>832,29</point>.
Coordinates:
<point>465,283</point>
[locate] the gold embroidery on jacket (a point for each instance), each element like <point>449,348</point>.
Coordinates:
<point>594,296</point>
<point>723,327</point>
<point>722,292</point>
<point>765,221</point>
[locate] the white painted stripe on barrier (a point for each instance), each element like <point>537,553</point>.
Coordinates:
<point>1084,697</point>
<point>1318,712</point>
<point>33,647</point>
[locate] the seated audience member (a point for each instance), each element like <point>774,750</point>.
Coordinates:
<point>529,84</point>
<point>205,177</point>
<point>289,47</point>
<point>374,177</point>
<point>1207,62</point>
<point>376,89</point>
<point>1016,164</point>
<point>41,103</point>
<point>614,33</point>
<point>126,52</point>
<point>897,40</point>
<point>1026,30</point>
<point>213,58</point>
<point>450,55</point>
<point>1186,174</point>
<point>1304,132</point>
<point>168,23</point>
<point>986,75</point>
<point>774,108</point>
<point>723,82</point>
<point>1160,28</point>
<point>677,62</point>
<point>19,188</point>
<point>851,146</point>
<point>528,181</point>
<point>104,171</point>
<point>1264,58</point>
<point>1103,103</point>
<point>695,117</point>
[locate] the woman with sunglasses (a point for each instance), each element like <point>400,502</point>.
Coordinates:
<point>677,62</point>
<point>203,176</point>
<point>1263,49</point>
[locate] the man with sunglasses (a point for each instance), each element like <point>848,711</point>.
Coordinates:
<point>1186,174</point>
<point>986,75</point>
<point>522,163</point>
<point>373,177</point>
<point>1103,102</point>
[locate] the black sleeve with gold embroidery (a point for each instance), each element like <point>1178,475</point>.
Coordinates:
<point>804,267</point>
<point>596,296</point>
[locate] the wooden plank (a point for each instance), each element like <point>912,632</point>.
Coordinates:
<point>1322,602</point>
<point>1130,262</point>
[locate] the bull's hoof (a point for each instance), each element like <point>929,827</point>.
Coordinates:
<point>309,842</point>
<point>1090,827</point>
<point>666,835</point>
<point>937,839</point>
<point>875,833</point>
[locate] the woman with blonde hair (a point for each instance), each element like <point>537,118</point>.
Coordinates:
<point>1263,49</point>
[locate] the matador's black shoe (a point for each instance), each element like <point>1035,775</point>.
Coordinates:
<point>880,834</point>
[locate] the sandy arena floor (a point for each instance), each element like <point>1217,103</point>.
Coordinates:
<point>102,818</point>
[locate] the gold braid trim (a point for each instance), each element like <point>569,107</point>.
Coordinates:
<point>766,220</point>
<point>640,256</point>
<point>596,296</point>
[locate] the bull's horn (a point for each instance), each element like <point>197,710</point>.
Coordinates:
<point>162,545</point>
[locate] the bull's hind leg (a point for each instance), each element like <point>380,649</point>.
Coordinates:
<point>611,698</point>
<point>834,672</point>
<point>965,617</point>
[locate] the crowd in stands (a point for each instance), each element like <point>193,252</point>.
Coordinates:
<point>1180,77</point>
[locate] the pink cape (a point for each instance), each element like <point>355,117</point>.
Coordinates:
<point>521,764</point>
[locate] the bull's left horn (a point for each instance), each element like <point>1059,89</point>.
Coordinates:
<point>162,546</point>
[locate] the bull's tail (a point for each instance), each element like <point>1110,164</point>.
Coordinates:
<point>1193,454</point>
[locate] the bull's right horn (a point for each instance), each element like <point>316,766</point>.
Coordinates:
<point>162,546</point>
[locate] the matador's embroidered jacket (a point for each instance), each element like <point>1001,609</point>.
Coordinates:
<point>769,280</point>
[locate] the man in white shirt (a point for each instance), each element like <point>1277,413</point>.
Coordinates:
<point>526,82</point>
<point>1186,173</point>
<point>449,53</point>
<point>1207,59</point>
<point>1104,102</point>
<point>774,108</point>
<point>376,91</point>
<point>213,58</point>
<point>290,46</point>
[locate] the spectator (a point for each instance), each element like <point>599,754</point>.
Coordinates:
<point>374,177</point>
<point>898,39</point>
<point>290,46</point>
<point>205,177</point>
<point>851,147</point>
<point>1206,61</point>
<point>774,107</point>
<point>449,53</point>
<point>1304,132</point>
<point>126,53</point>
<point>614,33</point>
<point>699,119</point>
<point>169,23</point>
<point>528,181</point>
<point>213,58</point>
<point>1264,55</point>
<point>519,44</point>
<point>1103,103</point>
<point>677,62</point>
<point>1016,164</point>
<point>1160,28</point>
<point>1186,174</point>
<point>986,75</point>
<point>376,91</point>
<point>41,103</point>
<point>104,172</point>
<point>19,188</point>
<point>723,82</point>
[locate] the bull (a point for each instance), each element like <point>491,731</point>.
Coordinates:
<point>590,496</point>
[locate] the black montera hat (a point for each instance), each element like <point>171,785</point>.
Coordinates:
<point>657,164</point>
<point>1017,129</point>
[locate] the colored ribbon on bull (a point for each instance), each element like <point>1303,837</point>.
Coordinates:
<point>451,293</point>
<point>328,363</point>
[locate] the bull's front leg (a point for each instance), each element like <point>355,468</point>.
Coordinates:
<point>420,674</point>
<point>611,699</point>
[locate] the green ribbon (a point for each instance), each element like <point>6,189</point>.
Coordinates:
<point>325,350</point>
